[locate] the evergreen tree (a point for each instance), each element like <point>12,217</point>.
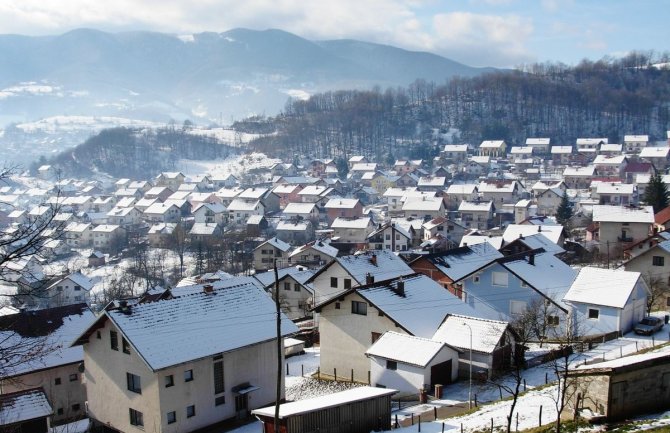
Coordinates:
<point>564,211</point>
<point>342,167</point>
<point>656,194</point>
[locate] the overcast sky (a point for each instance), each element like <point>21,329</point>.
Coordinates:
<point>501,33</point>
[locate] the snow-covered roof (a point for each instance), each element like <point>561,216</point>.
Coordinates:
<point>663,352</point>
<point>287,188</point>
<point>24,406</point>
<point>598,286</point>
<point>383,266</point>
<point>350,223</point>
<point>158,208</point>
<point>298,273</point>
<point>459,262</point>
<point>540,240</point>
<point>192,327</point>
<point>54,328</point>
<point>655,152</point>
<point>341,203</point>
<point>589,170</point>
<point>424,203</point>
<point>325,401</point>
<point>455,147</point>
<point>462,188</point>
<point>105,228</point>
<point>242,205</point>
<point>203,229</point>
<point>609,160</point>
<point>277,243</point>
<point>538,141</point>
<point>219,280</point>
<point>299,208</point>
<point>635,138</point>
<point>485,333</point>
<point>293,226</point>
<point>514,231</point>
<point>253,193</point>
<point>502,187</point>
<point>320,246</point>
<point>432,181</point>
<point>162,228</point>
<point>521,150</point>
<point>228,192</point>
<point>364,166</point>
<point>481,159</point>
<point>317,190</point>
<point>491,144</point>
<point>475,206</point>
<point>404,348</point>
<point>615,188</point>
<point>126,202</point>
<point>216,208</point>
<point>77,278</point>
<point>591,141</point>
<point>606,213</point>
<point>611,147</point>
<point>420,307</point>
<point>557,150</point>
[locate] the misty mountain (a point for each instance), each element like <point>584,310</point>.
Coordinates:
<point>205,76</point>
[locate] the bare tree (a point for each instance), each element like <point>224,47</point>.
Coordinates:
<point>658,289</point>
<point>178,243</point>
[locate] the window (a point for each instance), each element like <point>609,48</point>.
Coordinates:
<point>188,375</point>
<point>287,286</point>
<point>359,308</point>
<point>296,287</point>
<point>190,411</point>
<point>76,407</point>
<point>57,381</point>
<point>658,261</point>
<point>98,335</point>
<point>219,385</point>
<point>220,400</point>
<point>391,365</point>
<point>594,313</point>
<point>552,320</point>
<point>60,411</point>
<point>500,278</point>
<point>333,282</point>
<point>74,377</point>
<point>114,340</point>
<point>337,304</point>
<point>476,279</point>
<point>136,418</point>
<point>77,288</point>
<point>517,308</point>
<point>125,346</point>
<point>171,417</point>
<point>667,302</point>
<point>169,381</point>
<point>375,336</point>
<point>134,383</point>
<point>347,283</point>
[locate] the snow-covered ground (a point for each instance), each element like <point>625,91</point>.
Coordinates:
<point>235,165</point>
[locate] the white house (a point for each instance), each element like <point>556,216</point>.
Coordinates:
<point>606,300</point>
<point>150,366</point>
<point>351,230</point>
<point>635,143</point>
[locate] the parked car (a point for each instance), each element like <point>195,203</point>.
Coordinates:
<point>649,325</point>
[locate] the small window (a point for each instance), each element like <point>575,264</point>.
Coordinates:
<point>74,377</point>
<point>114,340</point>
<point>658,260</point>
<point>171,417</point>
<point>188,375</point>
<point>219,384</point>
<point>134,383</point>
<point>337,304</point>
<point>359,308</point>
<point>552,320</point>
<point>98,335</point>
<point>125,346</point>
<point>391,365</point>
<point>667,301</point>
<point>476,279</point>
<point>58,382</point>
<point>594,313</point>
<point>333,282</point>
<point>77,288</point>
<point>287,286</point>
<point>190,411</point>
<point>218,401</point>
<point>76,407</point>
<point>136,418</point>
<point>375,336</point>
<point>169,381</point>
<point>347,283</point>
<point>60,411</point>
<point>296,287</point>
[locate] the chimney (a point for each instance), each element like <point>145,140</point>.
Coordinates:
<point>539,229</point>
<point>531,259</point>
<point>208,288</point>
<point>373,259</point>
<point>400,287</point>
<point>369,278</point>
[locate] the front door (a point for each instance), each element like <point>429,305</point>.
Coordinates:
<point>617,401</point>
<point>242,406</point>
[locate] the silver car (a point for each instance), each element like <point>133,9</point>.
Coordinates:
<point>649,325</point>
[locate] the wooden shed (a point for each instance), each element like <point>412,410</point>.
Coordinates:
<point>621,388</point>
<point>358,410</point>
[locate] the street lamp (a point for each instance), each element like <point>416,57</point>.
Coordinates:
<point>470,387</point>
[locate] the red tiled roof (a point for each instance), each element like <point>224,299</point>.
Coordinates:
<point>662,216</point>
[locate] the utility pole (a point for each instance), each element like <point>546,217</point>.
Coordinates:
<point>279,349</point>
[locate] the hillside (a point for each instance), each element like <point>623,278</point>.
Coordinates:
<point>604,99</point>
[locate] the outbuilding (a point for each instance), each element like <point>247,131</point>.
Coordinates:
<point>357,410</point>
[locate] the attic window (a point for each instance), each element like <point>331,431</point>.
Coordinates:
<point>125,346</point>
<point>114,340</point>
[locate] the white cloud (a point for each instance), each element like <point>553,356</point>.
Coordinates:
<point>470,38</point>
<point>482,40</point>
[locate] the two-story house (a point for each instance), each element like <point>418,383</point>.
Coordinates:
<point>620,227</point>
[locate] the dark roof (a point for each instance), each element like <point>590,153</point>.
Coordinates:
<point>662,216</point>
<point>639,167</point>
<point>39,323</point>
